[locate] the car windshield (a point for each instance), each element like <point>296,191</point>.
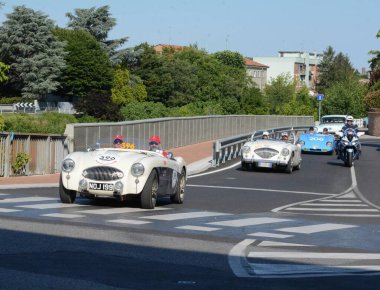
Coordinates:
<point>328,120</point>
<point>130,143</point>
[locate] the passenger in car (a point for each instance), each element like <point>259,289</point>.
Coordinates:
<point>285,136</point>
<point>117,141</point>
<point>155,145</point>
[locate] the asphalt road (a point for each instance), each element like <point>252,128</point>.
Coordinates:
<point>317,228</point>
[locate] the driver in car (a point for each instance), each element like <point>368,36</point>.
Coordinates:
<point>155,145</point>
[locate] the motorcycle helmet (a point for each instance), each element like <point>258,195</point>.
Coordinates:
<point>349,118</point>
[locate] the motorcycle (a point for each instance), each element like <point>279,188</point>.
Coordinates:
<point>349,148</point>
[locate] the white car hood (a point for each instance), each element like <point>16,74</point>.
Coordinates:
<point>277,145</point>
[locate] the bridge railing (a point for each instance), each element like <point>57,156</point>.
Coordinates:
<point>230,148</point>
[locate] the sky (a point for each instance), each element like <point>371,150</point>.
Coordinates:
<point>251,27</point>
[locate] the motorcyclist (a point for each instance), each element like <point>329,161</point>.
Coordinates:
<point>350,124</point>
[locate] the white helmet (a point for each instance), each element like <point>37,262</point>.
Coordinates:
<point>349,118</point>
<point>265,133</point>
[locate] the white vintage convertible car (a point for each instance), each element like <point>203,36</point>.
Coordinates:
<point>271,153</point>
<point>114,172</point>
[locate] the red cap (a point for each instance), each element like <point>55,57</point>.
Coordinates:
<point>120,137</point>
<point>155,139</point>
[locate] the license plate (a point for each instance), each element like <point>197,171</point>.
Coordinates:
<point>264,164</point>
<point>100,186</point>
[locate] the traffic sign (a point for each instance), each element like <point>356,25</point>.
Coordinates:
<point>24,105</point>
<point>320,97</point>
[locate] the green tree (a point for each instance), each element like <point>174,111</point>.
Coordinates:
<point>88,66</point>
<point>334,68</point>
<point>35,56</point>
<point>98,103</point>
<point>375,61</point>
<point>345,97</point>
<point>230,58</point>
<point>126,89</point>
<point>253,102</point>
<point>3,71</point>
<point>143,110</point>
<point>98,22</point>
<point>279,92</point>
<point>372,99</point>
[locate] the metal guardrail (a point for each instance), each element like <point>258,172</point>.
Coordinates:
<point>230,148</point>
<point>45,150</point>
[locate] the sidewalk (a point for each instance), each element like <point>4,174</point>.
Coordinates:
<point>198,158</point>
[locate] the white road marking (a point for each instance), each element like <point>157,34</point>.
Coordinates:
<point>316,228</point>
<point>182,216</point>
<point>237,260</point>
<point>315,255</point>
<point>25,199</point>
<point>347,215</point>
<point>248,222</point>
<point>270,235</point>
<point>197,228</point>
<point>63,215</point>
<point>340,201</point>
<point>258,189</point>
<point>9,210</point>
<point>348,195</point>
<point>334,204</point>
<point>333,209</point>
<point>129,222</point>
<point>2,194</point>
<point>118,210</point>
<point>50,205</point>
<point>215,171</point>
<point>281,244</point>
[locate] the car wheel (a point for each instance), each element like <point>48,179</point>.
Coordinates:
<point>150,191</point>
<point>179,195</point>
<point>298,167</point>
<point>289,167</point>
<point>66,195</point>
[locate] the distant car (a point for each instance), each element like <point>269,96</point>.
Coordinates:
<point>118,173</point>
<point>333,123</point>
<point>319,143</point>
<point>271,153</point>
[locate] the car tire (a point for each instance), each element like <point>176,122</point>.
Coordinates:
<point>66,195</point>
<point>298,167</point>
<point>179,195</point>
<point>150,192</point>
<point>244,166</point>
<point>289,166</point>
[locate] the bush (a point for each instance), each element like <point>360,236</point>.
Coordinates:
<point>48,122</point>
<point>14,100</point>
<point>372,99</point>
<point>22,159</point>
<point>144,110</point>
<point>2,123</point>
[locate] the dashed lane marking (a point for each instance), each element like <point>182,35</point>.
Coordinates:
<point>9,210</point>
<point>108,211</point>
<point>270,235</point>
<point>26,199</point>
<point>63,215</point>
<point>50,205</point>
<point>129,222</point>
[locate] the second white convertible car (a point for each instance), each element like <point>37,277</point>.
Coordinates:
<point>271,153</point>
<point>114,172</point>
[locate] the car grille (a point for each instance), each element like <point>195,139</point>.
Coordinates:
<point>102,173</point>
<point>266,152</point>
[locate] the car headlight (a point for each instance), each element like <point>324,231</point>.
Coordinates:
<point>328,144</point>
<point>301,142</point>
<point>285,151</point>
<point>68,165</point>
<point>246,149</point>
<point>137,169</point>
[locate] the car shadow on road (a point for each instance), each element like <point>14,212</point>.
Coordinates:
<point>336,163</point>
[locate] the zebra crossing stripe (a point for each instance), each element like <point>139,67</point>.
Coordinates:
<point>248,222</point>
<point>334,204</point>
<point>106,211</point>
<point>8,210</point>
<point>332,209</point>
<point>270,235</point>
<point>198,228</point>
<point>186,215</point>
<point>63,215</point>
<point>50,205</point>
<point>316,228</point>
<point>315,255</point>
<point>340,200</point>
<point>281,244</point>
<point>129,222</point>
<point>26,199</point>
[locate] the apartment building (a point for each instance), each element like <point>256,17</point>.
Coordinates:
<point>257,71</point>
